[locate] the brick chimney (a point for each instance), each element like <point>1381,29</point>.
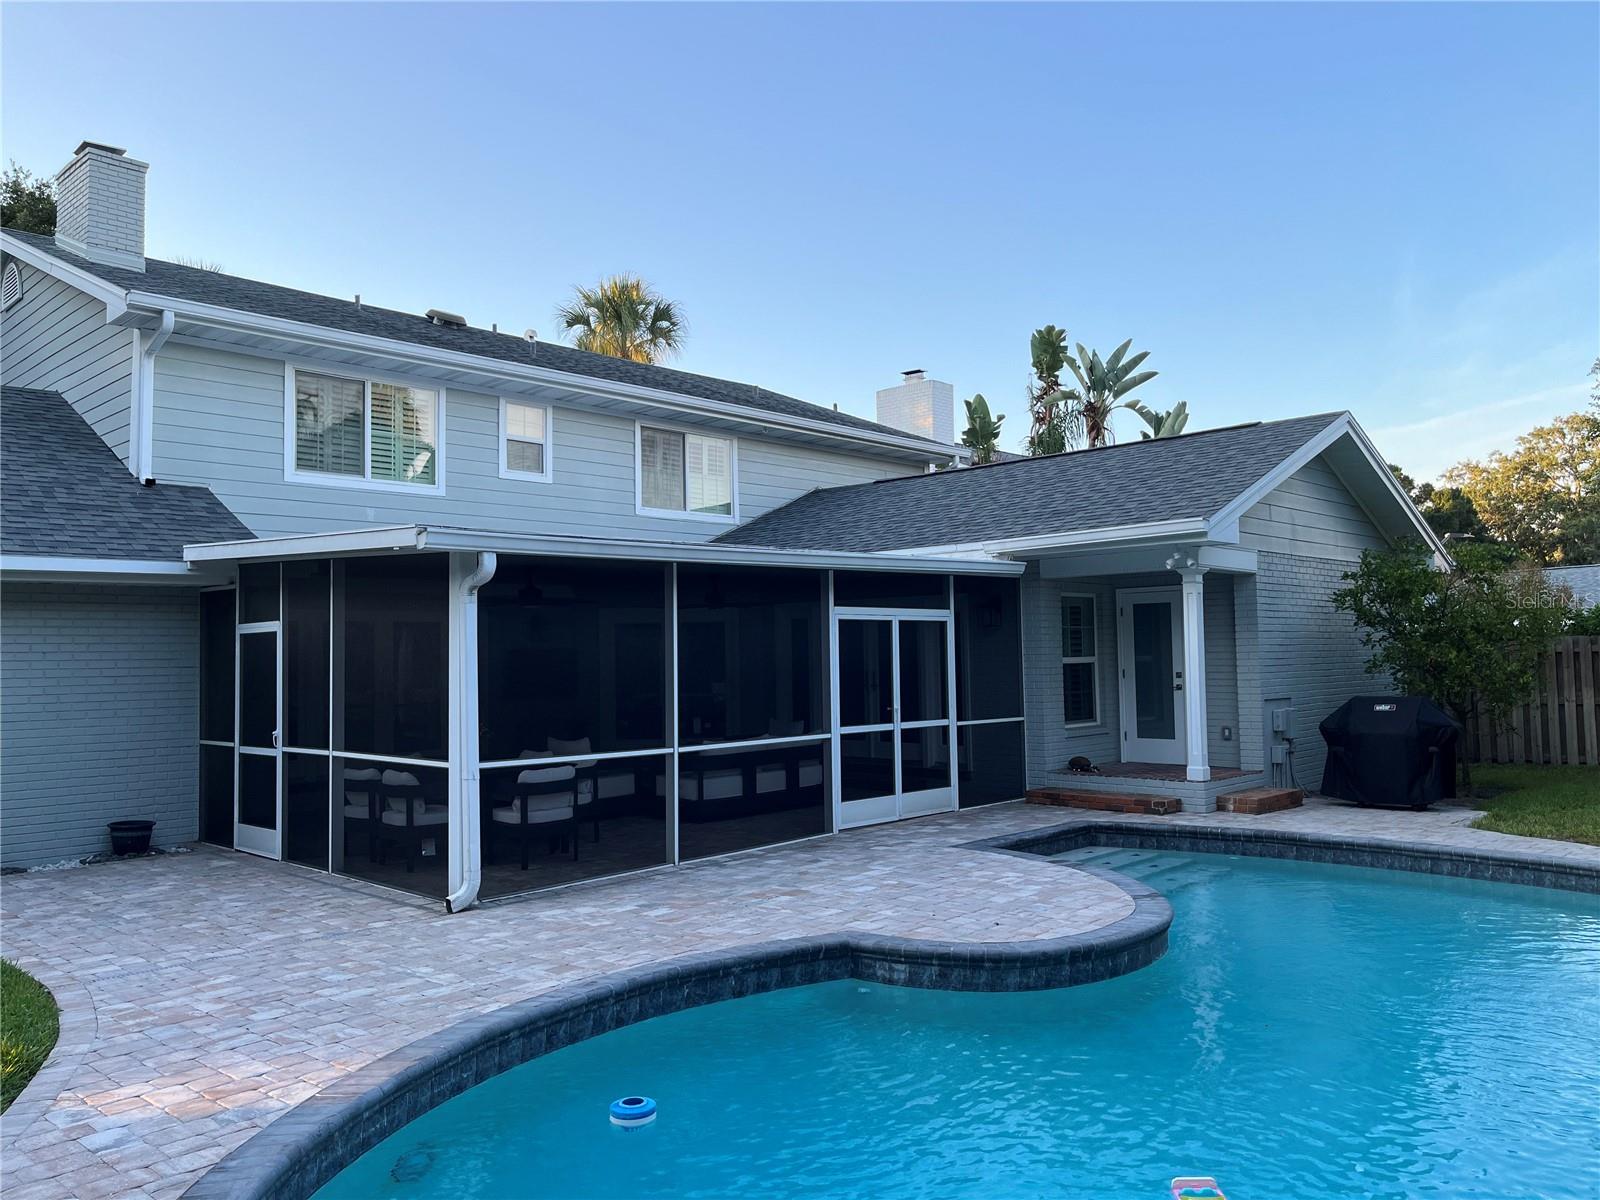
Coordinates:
<point>100,206</point>
<point>919,405</point>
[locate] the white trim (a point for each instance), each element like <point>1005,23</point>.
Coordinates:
<point>255,839</point>
<point>353,756</point>
<point>32,564</point>
<point>142,404</point>
<point>426,537</point>
<point>559,760</point>
<point>752,743</point>
<point>1092,659</point>
<point>113,297</point>
<point>1152,531</point>
<point>1196,725</point>
<point>291,470</point>
<point>988,721</point>
<point>548,474</point>
<point>684,514</point>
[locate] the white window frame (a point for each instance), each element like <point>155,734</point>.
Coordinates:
<point>683,514</point>
<point>1092,659</point>
<point>544,476</point>
<point>291,470</point>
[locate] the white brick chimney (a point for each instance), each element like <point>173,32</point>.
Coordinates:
<point>100,206</point>
<point>919,405</point>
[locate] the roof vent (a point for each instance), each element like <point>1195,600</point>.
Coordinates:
<point>439,317</point>
<point>10,286</point>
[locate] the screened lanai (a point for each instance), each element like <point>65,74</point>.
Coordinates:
<point>413,709</point>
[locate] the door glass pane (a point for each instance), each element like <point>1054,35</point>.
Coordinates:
<point>866,765</point>
<point>866,673</point>
<point>925,758</point>
<point>923,692</point>
<point>1152,671</point>
<point>258,790</point>
<point>258,688</point>
<point>305,809</point>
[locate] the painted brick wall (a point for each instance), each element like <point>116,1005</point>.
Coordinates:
<point>100,716</point>
<point>1308,651</point>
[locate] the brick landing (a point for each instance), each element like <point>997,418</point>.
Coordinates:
<point>1119,802</point>
<point>1255,802</point>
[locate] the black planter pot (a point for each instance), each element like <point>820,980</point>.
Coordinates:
<point>131,837</point>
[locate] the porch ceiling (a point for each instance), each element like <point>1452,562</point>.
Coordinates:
<point>1080,561</point>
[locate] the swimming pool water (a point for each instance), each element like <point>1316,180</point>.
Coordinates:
<point>1313,1031</point>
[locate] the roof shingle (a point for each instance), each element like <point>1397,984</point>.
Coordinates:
<point>65,494</point>
<point>1134,483</point>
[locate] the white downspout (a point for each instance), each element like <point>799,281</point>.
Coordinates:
<point>465,820</point>
<point>145,400</point>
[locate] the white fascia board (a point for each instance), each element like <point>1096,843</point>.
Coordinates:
<point>309,545</point>
<point>321,336</point>
<point>1185,529</point>
<point>121,570</point>
<point>1139,560</point>
<point>411,538</point>
<point>113,297</point>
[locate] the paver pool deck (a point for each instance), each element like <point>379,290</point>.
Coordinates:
<point>205,994</point>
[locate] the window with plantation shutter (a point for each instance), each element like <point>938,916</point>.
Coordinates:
<point>687,473</point>
<point>371,432</point>
<point>1080,667</point>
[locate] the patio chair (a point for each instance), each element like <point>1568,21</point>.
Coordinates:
<point>544,802</point>
<point>587,775</point>
<point>409,817</point>
<point>361,803</point>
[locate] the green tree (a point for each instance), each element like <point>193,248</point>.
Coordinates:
<point>1100,391</point>
<point>1047,350</point>
<point>27,203</point>
<point>1541,497</point>
<point>982,434</point>
<point>1470,639</point>
<point>624,317</point>
<point>1162,424</point>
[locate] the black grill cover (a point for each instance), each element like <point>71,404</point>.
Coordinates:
<point>1393,751</point>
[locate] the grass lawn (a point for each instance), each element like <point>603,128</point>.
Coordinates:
<point>1547,802</point>
<point>28,1030</point>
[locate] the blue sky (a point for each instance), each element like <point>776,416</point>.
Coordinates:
<point>1393,209</point>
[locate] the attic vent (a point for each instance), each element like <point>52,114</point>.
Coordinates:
<point>10,286</point>
<point>439,317</point>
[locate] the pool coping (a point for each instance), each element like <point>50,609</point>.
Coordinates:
<point>302,1150</point>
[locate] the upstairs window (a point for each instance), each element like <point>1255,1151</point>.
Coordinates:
<point>687,474</point>
<point>364,432</point>
<point>524,441</point>
<point>1080,668</point>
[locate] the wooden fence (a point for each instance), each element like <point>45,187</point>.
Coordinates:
<point>1559,723</point>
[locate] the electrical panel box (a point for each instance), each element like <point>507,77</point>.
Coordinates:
<point>1278,754</point>
<point>1283,720</point>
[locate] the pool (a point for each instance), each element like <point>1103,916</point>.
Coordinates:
<point>1313,1030</point>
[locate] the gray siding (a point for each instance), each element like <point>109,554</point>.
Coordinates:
<point>1311,513</point>
<point>220,422</point>
<point>100,716</point>
<point>1309,653</point>
<point>56,337</point>
<point>1050,742</point>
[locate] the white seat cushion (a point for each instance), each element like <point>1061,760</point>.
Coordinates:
<point>399,778</point>
<point>546,774</point>
<point>719,785</point>
<point>357,812</point>
<point>422,813</point>
<point>511,814</point>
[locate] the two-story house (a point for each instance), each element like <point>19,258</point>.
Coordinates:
<point>470,613</point>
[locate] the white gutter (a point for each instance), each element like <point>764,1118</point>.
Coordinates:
<point>466,820</point>
<point>126,570</point>
<point>530,373</point>
<point>144,398</point>
<point>423,537</point>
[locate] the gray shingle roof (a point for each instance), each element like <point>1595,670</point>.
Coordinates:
<point>1193,476</point>
<point>266,299</point>
<point>64,493</point>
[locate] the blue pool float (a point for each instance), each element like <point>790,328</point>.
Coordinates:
<point>633,1111</point>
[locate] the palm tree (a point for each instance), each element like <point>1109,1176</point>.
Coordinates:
<point>1048,350</point>
<point>623,317</point>
<point>982,433</point>
<point>1100,391</point>
<point>1162,424</point>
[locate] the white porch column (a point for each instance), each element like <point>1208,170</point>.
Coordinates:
<point>1198,757</point>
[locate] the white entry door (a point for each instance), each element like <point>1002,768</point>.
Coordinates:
<point>1150,674</point>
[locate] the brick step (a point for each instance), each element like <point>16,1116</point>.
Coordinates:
<point>1258,800</point>
<point>1122,802</point>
